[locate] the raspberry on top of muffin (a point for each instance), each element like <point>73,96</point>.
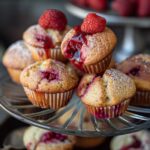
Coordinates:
<point>44,39</point>
<point>88,44</point>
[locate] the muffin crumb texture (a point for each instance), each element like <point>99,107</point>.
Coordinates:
<point>17,56</point>
<point>110,89</point>
<point>49,76</point>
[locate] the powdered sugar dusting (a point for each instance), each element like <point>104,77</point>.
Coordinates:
<point>20,48</point>
<point>117,75</point>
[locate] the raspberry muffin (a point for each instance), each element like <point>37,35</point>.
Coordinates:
<point>89,46</point>
<point>16,58</point>
<point>134,141</point>
<point>82,142</point>
<point>44,39</point>
<point>39,139</point>
<point>106,96</point>
<point>49,83</point>
<point>138,68</point>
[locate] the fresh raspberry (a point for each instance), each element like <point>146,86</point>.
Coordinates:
<point>93,24</point>
<point>125,7</point>
<point>143,8</point>
<point>82,3</point>
<point>98,5</point>
<point>53,19</point>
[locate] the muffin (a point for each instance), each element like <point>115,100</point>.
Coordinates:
<point>138,68</point>
<point>39,139</point>
<point>49,83</point>
<point>81,73</point>
<point>82,142</point>
<point>106,96</point>
<point>134,141</point>
<point>44,38</point>
<point>89,46</point>
<point>16,58</point>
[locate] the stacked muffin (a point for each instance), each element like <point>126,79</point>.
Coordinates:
<point>16,58</point>
<point>138,68</point>
<point>133,141</point>
<point>35,62</point>
<point>105,92</point>
<point>50,83</point>
<point>39,139</point>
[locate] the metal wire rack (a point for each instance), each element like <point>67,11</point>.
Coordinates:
<point>14,101</point>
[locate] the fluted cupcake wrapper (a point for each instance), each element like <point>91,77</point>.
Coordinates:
<point>141,98</point>
<point>14,74</point>
<point>38,54</point>
<point>49,100</point>
<point>99,67</point>
<point>57,54</point>
<point>108,111</point>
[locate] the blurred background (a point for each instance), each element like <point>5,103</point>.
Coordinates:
<point>17,15</point>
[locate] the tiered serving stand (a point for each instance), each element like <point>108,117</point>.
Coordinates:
<point>14,101</point>
<point>133,41</point>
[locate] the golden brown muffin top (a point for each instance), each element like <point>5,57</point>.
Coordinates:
<point>110,89</point>
<point>98,45</point>
<point>17,56</point>
<point>138,68</point>
<point>33,32</point>
<point>49,76</point>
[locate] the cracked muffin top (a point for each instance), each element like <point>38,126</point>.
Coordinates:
<point>110,89</point>
<point>49,76</point>
<point>89,48</point>
<point>17,56</point>
<point>138,68</point>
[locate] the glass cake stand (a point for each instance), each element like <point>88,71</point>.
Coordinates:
<point>133,42</point>
<point>14,101</point>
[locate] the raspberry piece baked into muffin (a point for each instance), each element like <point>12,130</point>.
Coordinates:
<point>89,46</point>
<point>106,96</point>
<point>49,83</point>
<point>16,58</point>
<point>39,139</point>
<point>44,39</point>
<point>134,141</point>
<point>138,68</point>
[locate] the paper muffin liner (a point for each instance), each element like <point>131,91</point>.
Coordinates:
<point>108,111</point>
<point>99,67</point>
<point>48,100</point>
<point>56,54</point>
<point>14,74</point>
<point>141,98</point>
